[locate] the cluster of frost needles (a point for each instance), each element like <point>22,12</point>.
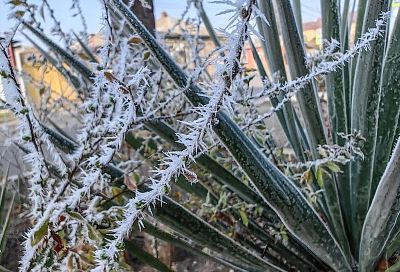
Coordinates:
<point>175,162</point>
<point>290,88</point>
<point>335,153</point>
<point>118,101</point>
<point>110,111</point>
<point>33,140</point>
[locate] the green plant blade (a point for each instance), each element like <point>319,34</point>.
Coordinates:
<point>382,216</point>
<point>389,110</point>
<point>274,58</point>
<point>298,17</point>
<point>364,116</point>
<point>307,98</point>
<point>337,112</point>
<point>279,192</point>
<point>207,23</point>
<point>146,257</point>
<point>191,247</point>
<point>183,221</point>
<point>80,67</point>
<point>86,49</point>
<point>5,223</point>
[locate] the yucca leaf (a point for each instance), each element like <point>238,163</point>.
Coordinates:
<point>80,67</point>
<point>207,23</point>
<point>191,247</point>
<point>333,81</point>
<point>273,55</point>
<point>309,104</point>
<point>5,212</point>
<point>364,117</point>
<point>344,21</point>
<point>183,221</point>
<point>298,17</point>
<point>307,98</point>
<point>394,268</point>
<point>382,217</point>
<point>337,112</point>
<point>389,110</point>
<point>146,257</point>
<point>64,72</point>
<point>361,15</point>
<point>62,142</point>
<point>289,251</point>
<point>277,190</point>
<point>4,189</point>
<point>86,49</point>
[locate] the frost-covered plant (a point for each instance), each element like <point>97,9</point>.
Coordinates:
<point>149,126</point>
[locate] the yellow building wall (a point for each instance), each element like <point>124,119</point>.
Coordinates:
<point>45,75</point>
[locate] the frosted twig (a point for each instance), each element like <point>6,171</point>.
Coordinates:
<point>290,88</point>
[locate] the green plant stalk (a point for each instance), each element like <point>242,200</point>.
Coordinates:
<point>364,117</point>
<point>278,191</point>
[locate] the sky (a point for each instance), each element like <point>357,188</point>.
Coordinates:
<point>92,10</point>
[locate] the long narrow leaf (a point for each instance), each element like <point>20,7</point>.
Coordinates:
<point>308,99</point>
<point>146,257</point>
<point>365,115</point>
<point>337,112</point>
<point>191,247</point>
<point>382,215</point>
<point>389,110</point>
<point>278,191</point>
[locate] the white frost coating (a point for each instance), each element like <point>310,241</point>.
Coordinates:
<point>290,88</point>
<point>335,153</point>
<point>175,162</point>
<point>31,136</point>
